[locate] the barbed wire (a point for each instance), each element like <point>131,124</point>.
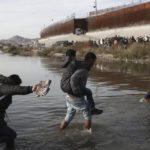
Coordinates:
<point>122,4</point>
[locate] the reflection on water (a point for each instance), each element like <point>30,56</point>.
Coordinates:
<point>124,67</point>
<point>125,123</point>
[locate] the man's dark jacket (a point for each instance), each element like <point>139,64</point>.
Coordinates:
<point>6,93</point>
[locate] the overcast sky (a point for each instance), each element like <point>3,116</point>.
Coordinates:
<point>27,17</point>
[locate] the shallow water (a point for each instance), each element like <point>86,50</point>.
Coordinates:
<point>125,123</point>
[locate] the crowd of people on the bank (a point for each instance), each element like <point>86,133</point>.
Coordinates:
<point>112,41</point>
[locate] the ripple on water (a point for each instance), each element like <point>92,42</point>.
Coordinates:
<point>124,125</point>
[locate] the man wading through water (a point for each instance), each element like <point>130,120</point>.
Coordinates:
<point>74,84</point>
<point>8,87</point>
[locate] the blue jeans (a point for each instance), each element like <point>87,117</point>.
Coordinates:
<point>74,104</point>
<point>8,136</point>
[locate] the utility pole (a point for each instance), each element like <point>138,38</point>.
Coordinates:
<point>95,6</point>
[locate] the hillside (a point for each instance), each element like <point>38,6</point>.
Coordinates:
<point>17,40</point>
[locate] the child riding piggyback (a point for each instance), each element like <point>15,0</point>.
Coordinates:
<point>71,65</point>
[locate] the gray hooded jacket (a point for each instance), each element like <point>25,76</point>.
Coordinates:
<point>78,82</point>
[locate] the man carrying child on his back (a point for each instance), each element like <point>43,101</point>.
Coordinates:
<point>74,84</point>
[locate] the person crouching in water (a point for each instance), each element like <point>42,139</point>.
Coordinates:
<point>74,83</point>
<point>7,134</point>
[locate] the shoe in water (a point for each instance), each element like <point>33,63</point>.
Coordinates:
<point>87,132</point>
<point>96,111</point>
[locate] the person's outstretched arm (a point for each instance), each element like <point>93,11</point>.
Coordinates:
<point>16,90</point>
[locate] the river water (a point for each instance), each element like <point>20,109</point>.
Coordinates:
<point>117,88</point>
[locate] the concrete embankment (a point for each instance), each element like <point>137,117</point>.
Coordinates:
<point>142,30</point>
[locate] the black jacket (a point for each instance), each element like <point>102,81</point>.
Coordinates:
<point>6,93</point>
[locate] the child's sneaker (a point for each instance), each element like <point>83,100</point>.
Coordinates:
<point>96,111</point>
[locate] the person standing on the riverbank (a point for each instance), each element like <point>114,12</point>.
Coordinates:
<point>146,98</point>
<point>7,134</point>
<point>75,100</point>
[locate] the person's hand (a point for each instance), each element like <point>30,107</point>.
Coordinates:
<point>34,87</point>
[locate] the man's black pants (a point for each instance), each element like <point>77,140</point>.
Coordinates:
<point>8,136</point>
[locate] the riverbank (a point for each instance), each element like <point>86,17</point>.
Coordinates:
<point>133,51</point>
<point>136,52</point>
<point>17,50</point>
<point>132,30</point>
